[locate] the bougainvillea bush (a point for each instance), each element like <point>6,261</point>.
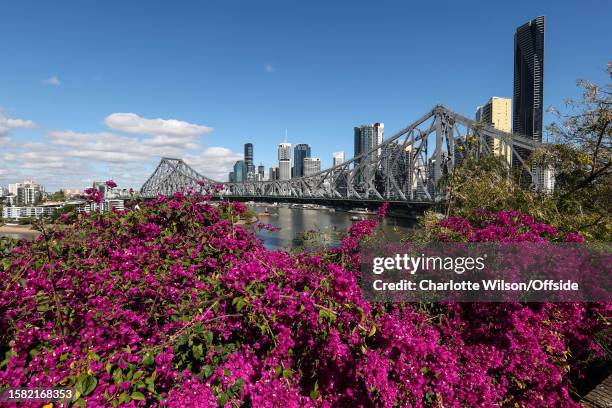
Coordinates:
<point>173,304</point>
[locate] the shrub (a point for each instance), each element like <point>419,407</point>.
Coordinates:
<point>174,305</point>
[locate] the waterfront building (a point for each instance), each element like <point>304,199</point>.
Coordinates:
<point>312,165</point>
<point>27,193</point>
<point>301,151</point>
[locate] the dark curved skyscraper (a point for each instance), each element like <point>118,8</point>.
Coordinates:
<point>529,79</point>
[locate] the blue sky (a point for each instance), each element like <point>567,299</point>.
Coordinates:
<point>88,80</point>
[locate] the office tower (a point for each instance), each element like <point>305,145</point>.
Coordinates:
<point>497,112</point>
<point>312,165</point>
<point>284,167</point>
<point>529,79</point>
<point>367,137</point>
<point>240,171</point>
<point>284,161</point>
<point>231,177</point>
<point>338,158</point>
<point>271,175</point>
<point>300,152</point>
<point>284,151</point>
<point>261,172</point>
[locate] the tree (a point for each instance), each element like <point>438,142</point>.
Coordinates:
<point>581,157</point>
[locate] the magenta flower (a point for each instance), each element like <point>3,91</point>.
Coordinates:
<point>174,305</point>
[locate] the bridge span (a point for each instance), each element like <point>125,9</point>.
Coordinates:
<point>405,169</point>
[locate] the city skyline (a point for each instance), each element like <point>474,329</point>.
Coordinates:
<point>65,125</point>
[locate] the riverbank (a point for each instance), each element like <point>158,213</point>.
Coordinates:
<point>18,230</point>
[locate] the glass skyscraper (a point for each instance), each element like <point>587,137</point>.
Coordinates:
<point>301,151</point>
<point>248,158</point>
<point>529,79</point>
<point>240,171</point>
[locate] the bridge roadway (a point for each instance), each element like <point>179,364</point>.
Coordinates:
<point>408,209</point>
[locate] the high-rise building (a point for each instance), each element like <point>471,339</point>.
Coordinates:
<point>248,158</point>
<point>300,152</point>
<point>312,165</point>
<point>529,79</point>
<point>273,173</point>
<point>338,158</point>
<point>284,161</point>
<point>284,168</point>
<point>240,171</point>
<point>497,112</point>
<point>284,151</point>
<point>26,193</point>
<point>231,177</point>
<point>367,137</point>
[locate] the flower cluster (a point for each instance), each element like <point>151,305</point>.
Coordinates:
<point>503,226</point>
<point>93,194</point>
<point>175,305</point>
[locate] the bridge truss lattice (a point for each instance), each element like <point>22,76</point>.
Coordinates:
<point>405,167</point>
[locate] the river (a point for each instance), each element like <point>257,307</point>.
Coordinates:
<point>291,222</point>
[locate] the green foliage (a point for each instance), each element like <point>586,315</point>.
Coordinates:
<point>581,159</point>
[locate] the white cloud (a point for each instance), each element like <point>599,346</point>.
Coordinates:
<point>7,124</point>
<point>54,80</point>
<point>269,68</point>
<point>214,162</point>
<point>65,157</point>
<point>132,123</point>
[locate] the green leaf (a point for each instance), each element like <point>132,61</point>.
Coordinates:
<point>372,331</point>
<point>117,376</point>
<point>197,351</point>
<point>148,359</point>
<point>327,314</point>
<point>287,373</point>
<point>138,396</point>
<point>239,302</point>
<point>124,397</point>
<point>207,370</point>
<point>222,398</point>
<point>86,384</point>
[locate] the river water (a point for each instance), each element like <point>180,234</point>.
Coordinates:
<point>291,222</point>
<point>329,225</point>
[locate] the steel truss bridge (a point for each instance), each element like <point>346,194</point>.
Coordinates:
<point>405,168</point>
